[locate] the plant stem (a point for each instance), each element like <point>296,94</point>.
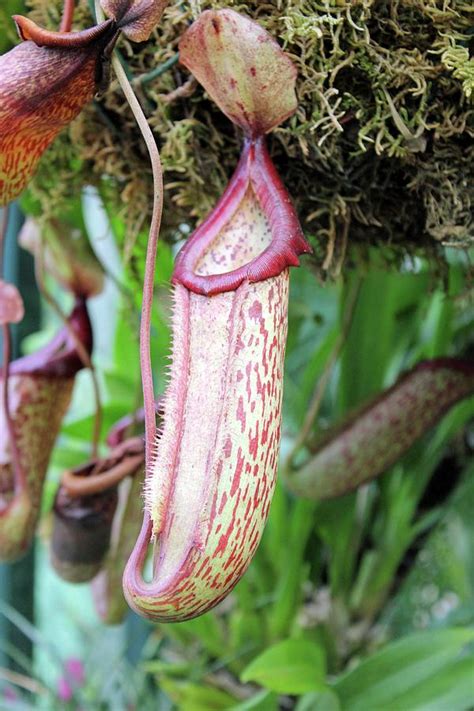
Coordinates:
<point>157,71</point>
<point>147,303</point>
<point>68,14</point>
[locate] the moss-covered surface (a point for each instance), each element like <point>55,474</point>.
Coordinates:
<point>379,152</point>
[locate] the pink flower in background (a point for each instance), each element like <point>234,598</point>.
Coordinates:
<point>73,678</point>
<point>9,694</point>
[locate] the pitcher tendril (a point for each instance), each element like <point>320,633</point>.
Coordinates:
<point>67,17</point>
<point>150,264</point>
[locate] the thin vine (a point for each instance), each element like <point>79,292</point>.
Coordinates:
<point>67,17</point>
<point>147,302</point>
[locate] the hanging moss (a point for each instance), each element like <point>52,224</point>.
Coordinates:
<point>379,152</point>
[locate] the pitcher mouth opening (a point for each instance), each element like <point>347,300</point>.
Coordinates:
<point>254,201</point>
<point>243,238</point>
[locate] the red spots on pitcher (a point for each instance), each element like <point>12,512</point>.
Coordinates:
<point>253,443</point>
<point>255,311</point>
<point>237,473</point>
<point>241,414</point>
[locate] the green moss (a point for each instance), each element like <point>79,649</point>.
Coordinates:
<point>456,59</point>
<point>378,153</point>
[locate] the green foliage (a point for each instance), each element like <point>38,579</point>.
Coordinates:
<point>456,58</point>
<point>440,586</point>
<point>328,586</point>
<point>293,666</point>
<point>192,697</point>
<point>431,670</point>
<point>325,700</point>
<point>8,36</point>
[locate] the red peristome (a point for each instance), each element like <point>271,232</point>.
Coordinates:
<point>257,172</point>
<point>59,357</point>
<point>29,30</point>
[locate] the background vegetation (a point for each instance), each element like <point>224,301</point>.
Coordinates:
<point>364,602</point>
<point>329,607</point>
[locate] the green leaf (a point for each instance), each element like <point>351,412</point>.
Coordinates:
<point>293,572</point>
<point>405,675</point>
<point>245,631</point>
<point>9,35</point>
<point>194,697</point>
<point>450,690</point>
<point>325,700</point>
<point>83,427</point>
<point>294,666</point>
<point>209,630</point>
<point>181,670</point>
<point>263,701</point>
<point>440,584</point>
